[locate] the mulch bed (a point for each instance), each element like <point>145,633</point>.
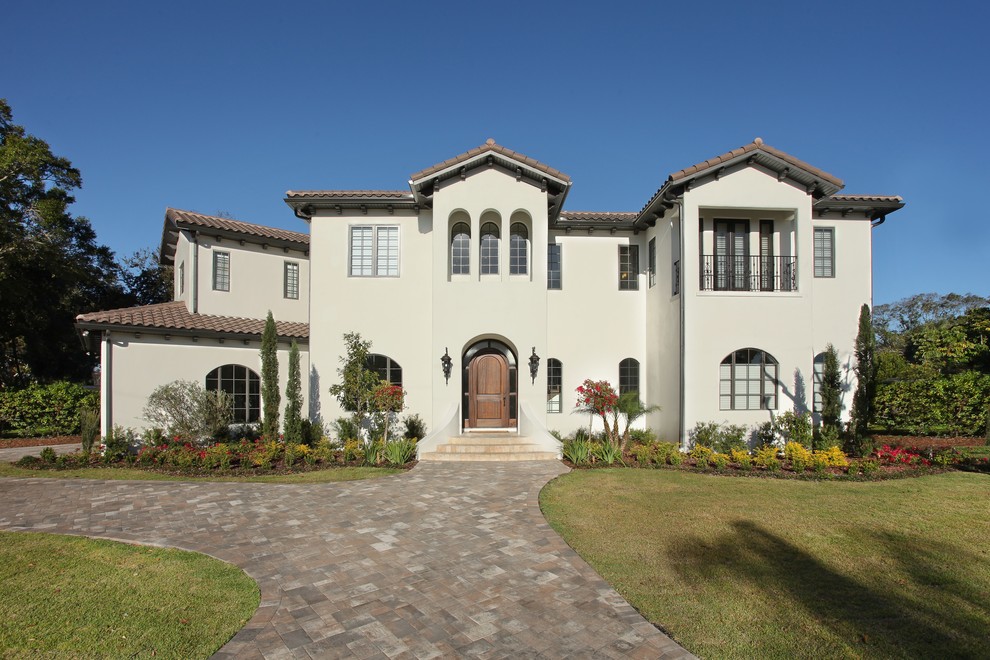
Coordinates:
<point>8,443</point>
<point>924,442</point>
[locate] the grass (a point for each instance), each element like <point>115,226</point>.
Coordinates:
<point>65,596</point>
<point>117,473</point>
<point>737,567</point>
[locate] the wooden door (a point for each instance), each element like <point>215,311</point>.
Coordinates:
<point>488,391</point>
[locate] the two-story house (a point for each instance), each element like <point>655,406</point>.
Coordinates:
<point>490,303</point>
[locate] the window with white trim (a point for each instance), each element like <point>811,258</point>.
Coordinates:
<point>290,282</point>
<point>374,251</point>
<point>748,381</point>
<point>628,376</point>
<point>244,387</point>
<point>553,266</point>
<point>489,248</point>
<point>824,252</point>
<point>221,271</point>
<point>518,249</point>
<point>386,368</point>
<point>554,385</point>
<point>628,267</point>
<point>460,249</point>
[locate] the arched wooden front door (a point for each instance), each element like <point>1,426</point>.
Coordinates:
<point>488,391</point>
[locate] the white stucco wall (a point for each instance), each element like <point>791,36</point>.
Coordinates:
<point>257,277</point>
<point>138,365</point>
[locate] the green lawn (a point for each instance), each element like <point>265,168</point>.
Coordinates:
<point>742,567</point>
<point>64,596</point>
<point>312,477</point>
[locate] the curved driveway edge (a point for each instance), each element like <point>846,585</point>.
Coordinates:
<point>444,560</point>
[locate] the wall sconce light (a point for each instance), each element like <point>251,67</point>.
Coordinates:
<point>534,364</point>
<point>447,364</point>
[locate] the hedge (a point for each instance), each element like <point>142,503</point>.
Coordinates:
<point>44,410</point>
<point>955,405</point>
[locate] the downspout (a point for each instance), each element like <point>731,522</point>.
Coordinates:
<point>195,269</point>
<point>682,293</point>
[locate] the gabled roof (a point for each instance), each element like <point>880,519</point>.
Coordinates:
<point>176,317</point>
<point>818,183</point>
<point>491,147</point>
<point>176,219</point>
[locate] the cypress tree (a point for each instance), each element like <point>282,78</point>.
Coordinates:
<point>831,391</point>
<point>293,398</point>
<point>270,397</point>
<point>866,377</point>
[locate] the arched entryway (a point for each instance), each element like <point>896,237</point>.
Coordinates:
<point>489,385</point>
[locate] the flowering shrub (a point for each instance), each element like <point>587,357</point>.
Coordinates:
<point>833,456</point>
<point>598,397</point>
<point>767,457</point>
<point>742,458</point>
<point>796,452</point>
<point>898,456</point>
<point>720,461</point>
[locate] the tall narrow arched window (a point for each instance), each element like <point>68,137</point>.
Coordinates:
<point>518,249</point>
<point>555,379</point>
<point>748,381</point>
<point>489,248</point>
<point>386,368</point>
<point>628,376</point>
<point>244,387</point>
<point>460,249</point>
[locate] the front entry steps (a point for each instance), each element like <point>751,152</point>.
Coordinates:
<point>492,446</point>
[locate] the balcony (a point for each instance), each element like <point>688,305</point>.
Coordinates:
<point>747,273</point>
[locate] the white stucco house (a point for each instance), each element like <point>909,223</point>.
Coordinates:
<point>714,300</point>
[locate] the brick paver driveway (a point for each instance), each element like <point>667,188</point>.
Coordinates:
<point>445,560</point>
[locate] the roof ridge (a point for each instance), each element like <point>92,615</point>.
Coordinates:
<point>491,145</point>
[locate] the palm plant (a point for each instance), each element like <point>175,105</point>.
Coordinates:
<point>631,408</point>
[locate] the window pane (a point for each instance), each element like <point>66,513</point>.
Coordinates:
<point>361,255</point>
<point>553,266</point>
<point>291,288</point>
<point>518,249</point>
<point>653,261</point>
<point>489,249</point>
<point>554,381</point>
<point>387,257</point>
<point>221,271</point>
<point>460,249</point>
<point>628,267</point>
<point>824,248</point>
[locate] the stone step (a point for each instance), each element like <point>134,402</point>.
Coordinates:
<point>486,448</point>
<point>486,440</point>
<point>515,456</point>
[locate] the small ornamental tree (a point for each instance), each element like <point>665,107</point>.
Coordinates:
<point>270,396</point>
<point>866,378</point>
<point>357,382</point>
<point>598,397</point>
<point>831,391</point>
<point>387,400</point>
<point>293,398</point>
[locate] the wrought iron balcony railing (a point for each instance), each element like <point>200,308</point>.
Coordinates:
<point>721,272</point>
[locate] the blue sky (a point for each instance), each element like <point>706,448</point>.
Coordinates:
<point>223,106</point>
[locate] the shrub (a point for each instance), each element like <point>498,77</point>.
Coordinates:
<point>794,427</point>
<point>117,444</point>
<point>45,410</point>
<point>607,453</point>
<point>353,450</point>
<point>347,429</point>
<point>644,454</point>
<point>400,452</point>
<point>372,451</point>
<point>833,457</point>
<point>217,456</point>
<point>642,436</point>
<point>48,455</point>
<point>89,427</point>
<point>720,461</point>
<point>185,409</point>
<point>764,435</point>
<point>827,437</point>
<point>958,404</point>
<point>767,457</point>
<point>416,428</point>
<point>868,467</point>
<point>720,437</point>
<point>675,458</point>
<point>704,434</point>
<point>742,458</point>
<point>577,451</point>
<point>664,450</point>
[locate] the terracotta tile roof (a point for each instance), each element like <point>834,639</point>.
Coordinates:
<point>491,146</point>
<point>864,198</point>
<point>755,145</point>
<point>598,216</point>
<point>188,218</point>
<point>175,316</point>
<point>351,194</point>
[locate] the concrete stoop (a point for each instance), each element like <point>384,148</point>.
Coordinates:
<point>495,446</point>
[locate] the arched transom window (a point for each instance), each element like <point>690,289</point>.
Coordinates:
<point>748,381</point>
<point>518,249</point>
<point>243,385</point>
<point>386,368</point>
<point>489,248</point>
<point>460,249</point>
<point>628,376</point>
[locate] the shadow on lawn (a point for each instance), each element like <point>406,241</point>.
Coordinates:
<point>947,619</point>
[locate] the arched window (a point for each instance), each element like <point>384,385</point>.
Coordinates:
<point>489,248</point>
<point>818,376</point>
<point>518,249</point>
<point>748,381</point>
<point>460,249</point>
<point>243,385</point>
<point>628,376</point>
<point>554,383</point>
<point>386,368</point>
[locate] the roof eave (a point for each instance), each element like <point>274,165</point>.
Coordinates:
<point>180,332</point>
